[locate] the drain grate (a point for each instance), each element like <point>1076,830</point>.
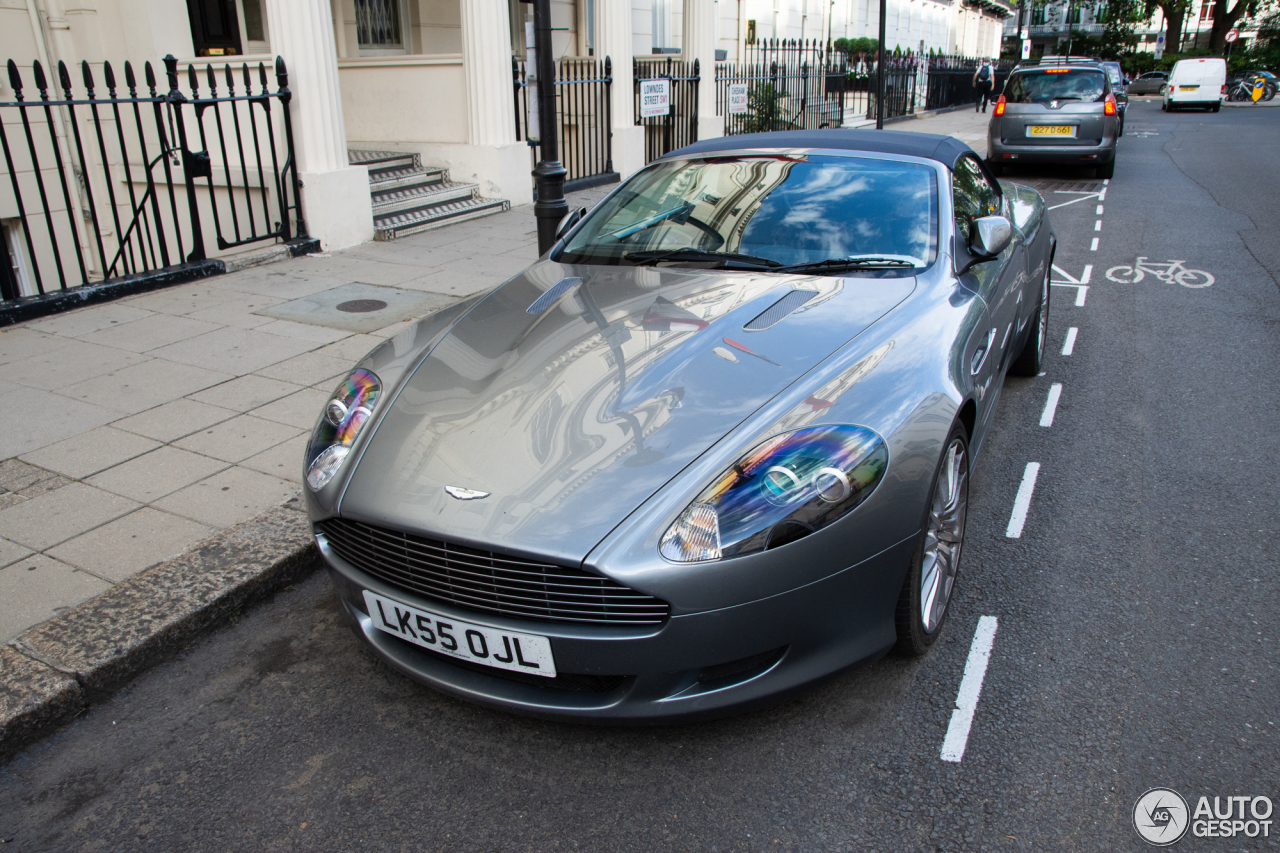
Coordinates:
<point>1070,186</point>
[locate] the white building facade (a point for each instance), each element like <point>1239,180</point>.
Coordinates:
<point>433,78</point>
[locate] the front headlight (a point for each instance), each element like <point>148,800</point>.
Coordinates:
<point>783,489</point>
<point>344,416</point>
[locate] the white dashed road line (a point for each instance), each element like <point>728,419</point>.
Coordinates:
<point>1099,210</point>
<point>1097,226</point>
<point>1051,405</point>
<point>1093,247</point>
<point>1022,502</point>
<point>1069,345</point>
<point>975,671</point>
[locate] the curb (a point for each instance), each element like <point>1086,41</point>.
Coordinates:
<point>927,114</point>
<point>54,672</point>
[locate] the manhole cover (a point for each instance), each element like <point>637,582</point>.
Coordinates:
<point>361,306</point>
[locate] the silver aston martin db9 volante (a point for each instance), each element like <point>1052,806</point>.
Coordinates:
<point>712,447</point>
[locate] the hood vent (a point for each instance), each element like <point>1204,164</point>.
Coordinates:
<point>560,288</point>
<point>775,312</point>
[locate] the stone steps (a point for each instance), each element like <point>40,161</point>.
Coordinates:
<point>409,197</point>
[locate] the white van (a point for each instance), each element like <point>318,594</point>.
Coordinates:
<point>1196,83</point>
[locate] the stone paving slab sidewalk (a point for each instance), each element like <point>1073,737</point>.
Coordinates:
<point>149,466</point>
<point>154,449</point>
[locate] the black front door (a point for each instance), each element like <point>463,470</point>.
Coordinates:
<point>215,30</point>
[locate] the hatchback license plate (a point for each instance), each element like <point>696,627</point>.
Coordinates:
<point>1051,130</point>
<point>527,653</point>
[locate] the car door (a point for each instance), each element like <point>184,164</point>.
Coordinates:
<point>999,282</point>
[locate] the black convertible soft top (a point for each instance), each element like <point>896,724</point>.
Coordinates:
<point>945,149</point>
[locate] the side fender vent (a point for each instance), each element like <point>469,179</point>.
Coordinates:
<point>560,288</point>
<point>775,312</point>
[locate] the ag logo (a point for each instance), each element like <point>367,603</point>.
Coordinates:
<point>1161,817</point>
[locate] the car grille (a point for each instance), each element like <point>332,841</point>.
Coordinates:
<point>488,580</point>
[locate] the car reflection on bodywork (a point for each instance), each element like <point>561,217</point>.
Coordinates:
<point>713,447</point>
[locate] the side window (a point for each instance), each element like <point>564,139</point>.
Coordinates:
<point>973,195</point>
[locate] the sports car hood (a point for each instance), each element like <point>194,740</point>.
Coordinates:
<point>571,412</point>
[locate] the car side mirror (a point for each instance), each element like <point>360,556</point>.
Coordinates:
<point>989,236</point>
<point>569,221</point>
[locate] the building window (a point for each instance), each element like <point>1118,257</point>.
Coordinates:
<point>751,31</point>
<point>661,23</point>
<point>1206,12</point>
<point>14,279</point>
<point>378,25</point>
<point>1073,15</point>
<point>1037,15</point>
<point>227,27</point>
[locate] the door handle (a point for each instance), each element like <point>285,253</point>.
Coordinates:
<point>981,353</point>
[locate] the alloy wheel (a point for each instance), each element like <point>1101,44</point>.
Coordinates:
<point>944,536</point>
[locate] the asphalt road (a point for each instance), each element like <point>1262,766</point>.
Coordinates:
<point>1138,641</point>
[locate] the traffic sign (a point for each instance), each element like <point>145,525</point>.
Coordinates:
<point>1232,35</point>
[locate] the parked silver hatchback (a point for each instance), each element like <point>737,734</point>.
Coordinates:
<point>1064,114</point>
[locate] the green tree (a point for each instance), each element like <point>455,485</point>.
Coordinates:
<point>1174,13</point>
<point>1226,15</point>
<point>764,107</point>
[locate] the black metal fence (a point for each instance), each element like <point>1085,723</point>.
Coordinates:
<point>679,126</point>
<point>114,186</point>
<point>792,85</point>
<point>950,81</point>
<point>789,85</point>
<point>584,114</point>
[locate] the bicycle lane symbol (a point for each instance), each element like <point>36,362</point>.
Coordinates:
<point>1170,272</point>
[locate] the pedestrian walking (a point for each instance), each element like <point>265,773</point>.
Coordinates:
<point>984,81</point>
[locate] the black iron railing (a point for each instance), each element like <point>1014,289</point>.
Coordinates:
<point>950,81</point>
<point>679,126</point>
<point>790,85</point>
<point>583,107</point>
<point>903,77</point>
<point>121,185</point>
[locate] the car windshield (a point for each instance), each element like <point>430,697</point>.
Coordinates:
<point>1056,84</point>
<point>768,211</point>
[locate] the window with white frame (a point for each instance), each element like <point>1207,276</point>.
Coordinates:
<point>662,23</point>
<point>228,27</point>
<point>16,275</point>
<point>382,26</point>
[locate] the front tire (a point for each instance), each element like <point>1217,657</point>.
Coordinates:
<point>927,591</point>
<point>1030,361</point>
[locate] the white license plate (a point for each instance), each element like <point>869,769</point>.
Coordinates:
<point>526,653</point>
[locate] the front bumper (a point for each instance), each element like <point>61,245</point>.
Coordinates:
<point>692,666</point>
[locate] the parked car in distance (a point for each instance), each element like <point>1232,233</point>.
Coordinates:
<point>1119,88</point>
<point>1055,113</point>
<point>1151,83</point>
<point>713,446</point>
<point>1200,82</point>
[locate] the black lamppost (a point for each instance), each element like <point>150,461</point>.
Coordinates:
<point>884,13</point>
<point>548,175</point>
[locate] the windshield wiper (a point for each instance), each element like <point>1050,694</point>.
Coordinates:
<point>691,254</point>
<point>679,213</point>
<point>835,264</point>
